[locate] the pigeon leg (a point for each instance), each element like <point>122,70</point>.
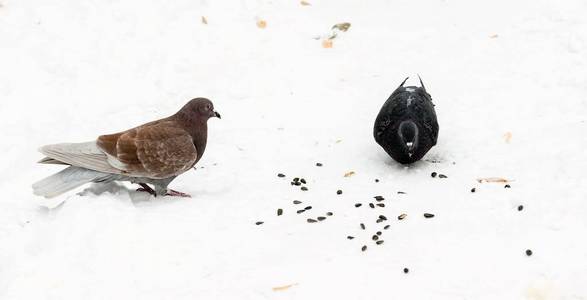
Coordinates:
<point>146,188</point>
<point>174,193</point>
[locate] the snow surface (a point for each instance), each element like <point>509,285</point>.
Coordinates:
<point>71,70</point>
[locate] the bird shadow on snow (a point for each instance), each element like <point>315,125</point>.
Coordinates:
<point>116,189</point>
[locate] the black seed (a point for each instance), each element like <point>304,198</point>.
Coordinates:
<point>297,183</point>
<point>378,233</point>
<point>301,211</point>
<point>358,204</point>
<point>402,216</point>
<point>507,186</point>
<point>400,192</point>
<point>297,202</point>
<point>329,214</point>
<point>375,237</point>
<point>378,221</point>
<point>386,227</point>
<point>379,242</point>
<point>303,181</point>
<point>279,212</point>
<point>280,175</point>
<point>304,188</point>
<point>338,192</point>
<point>380,204</point>
<point>259,223</point>
<point>473,190</point>
<point>308,208</point>
<point>382,217</point>
<point>350,237</point>
<point>364,248</point>
<point>292,183</point>
<point>321,218</point>
<point>406,270</point>
<point>376,180</point>
<point>520,207</point>
<point>296,179</point>
<point>529,252</point>
<point>379,198</point>
<point>433,174</point>
<point>318,164</point>
<point>442,176</point>
<point>362,226</point>
<point>311,221</point>
<point>427,215</point>
<point>371,205</point>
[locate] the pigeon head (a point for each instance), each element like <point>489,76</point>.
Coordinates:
<point>200,109</point>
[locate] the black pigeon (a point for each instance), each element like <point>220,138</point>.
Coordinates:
<point>406,126</point>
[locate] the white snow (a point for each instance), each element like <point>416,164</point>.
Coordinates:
<point>71,70</point>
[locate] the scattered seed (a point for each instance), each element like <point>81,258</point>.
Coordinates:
<point>280,175</point>
<point>379,198</point>
<point>364,248</point>
<point>280,212</point>
<point>382,217</point>
<point>358,204</point>
<point>362,226</point>
<point>529,252</point>
<point>473,190</point>
<point>520,207</point>
<point>379,221</point>
<point>292,183</point>
<point>301,211</point>
<point>329,214</point>
<point>259,223</point>
<point>303,181</point>
<point>321,218</point>
<point>318,164</point>
<point>304,188</point>
<point>406,270</point>
<point>400,192</point>
<point>296,179</point>
<point>350,237</point>
<point>376,180</point>
<point>375,237</point>
<point>371,205</point>
<point>338,192</point>
<point>427,215</point>
<point>402,216</point>
<point>507,186</point>
<point>433,174</point>
<point>311,221</point>
<point>386,227</point>
<point>307,207</point>
<point>297,202</point>
<point>379,242</point>
<point>380,204</point>
<point>378,233</point>
<point>297,183</point>
<point>442,176</point>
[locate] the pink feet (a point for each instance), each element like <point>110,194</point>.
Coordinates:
<point>174,193</point>
<point>145,188</point>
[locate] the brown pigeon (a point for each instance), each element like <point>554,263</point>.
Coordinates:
<point>153,153</point>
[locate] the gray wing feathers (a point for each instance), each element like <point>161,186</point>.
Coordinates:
<point>68,179</point>
<point>85,155</point>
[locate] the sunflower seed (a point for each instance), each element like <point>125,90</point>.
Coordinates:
<point>379,198</point>
<point>375,237</point>
<point>301,211</point>
<point>427,215</point>
<point>338,192</point>
<point>304,188</point>
<point>321,218</point>
<point>433,174</point>
<point>279,212</point>
<point>442,176</point>
<point>311,221</point>
<point>307,207</point>
<point>362,226</point>
<point>520,207</point>
<point>380,204</point>
<point>379,242</point>
<point>364,248</point>
<point>350,237</point>
<point>371,205</point>
<point>297,202</point>
<point>280,175</point>
<point>259,223</point>
<point>402,216</point>
<point>329,214</point>
<point>358,204</point>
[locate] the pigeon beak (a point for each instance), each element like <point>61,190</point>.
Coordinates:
<point>217,115</point>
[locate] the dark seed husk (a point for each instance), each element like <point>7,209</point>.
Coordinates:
<point>329,214</point>
<point>382,217</point>
<point>520,207</point>
<point>406,270</point>
<point>379,198</point>
<point>371,205</point>
<point>304,188</point>
<point>280,212</point>
<point>400,192</point>
<point>473,190</point>
<point>358,204</point>
<point>259,223</point>
<point>297,183</point>
<point>350,237</point>
<point>297,202</point>
<point>442,176</point>
<point>318,164</point>
<point>427,215</point>
<point>376,180</point>
<point>378,221</point>
<point>280,175</point>
<point>303,181</point>
<point>375,237</point>
<point>529,252</point>
<point>307,207</point>
<point>301,211</point>
<point>311,221</point>
<point>362,226</point>
<point>507,186</point>
<point>402,216</point>
<point>364,248</point>
<point>379,242</point>
<point>378,233</point>
<point>321,218</point>
<point>296,179</point>
<point>339,192</point>
<point>386,227</point>
<point>433,174</point>
<point>380,204</point>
